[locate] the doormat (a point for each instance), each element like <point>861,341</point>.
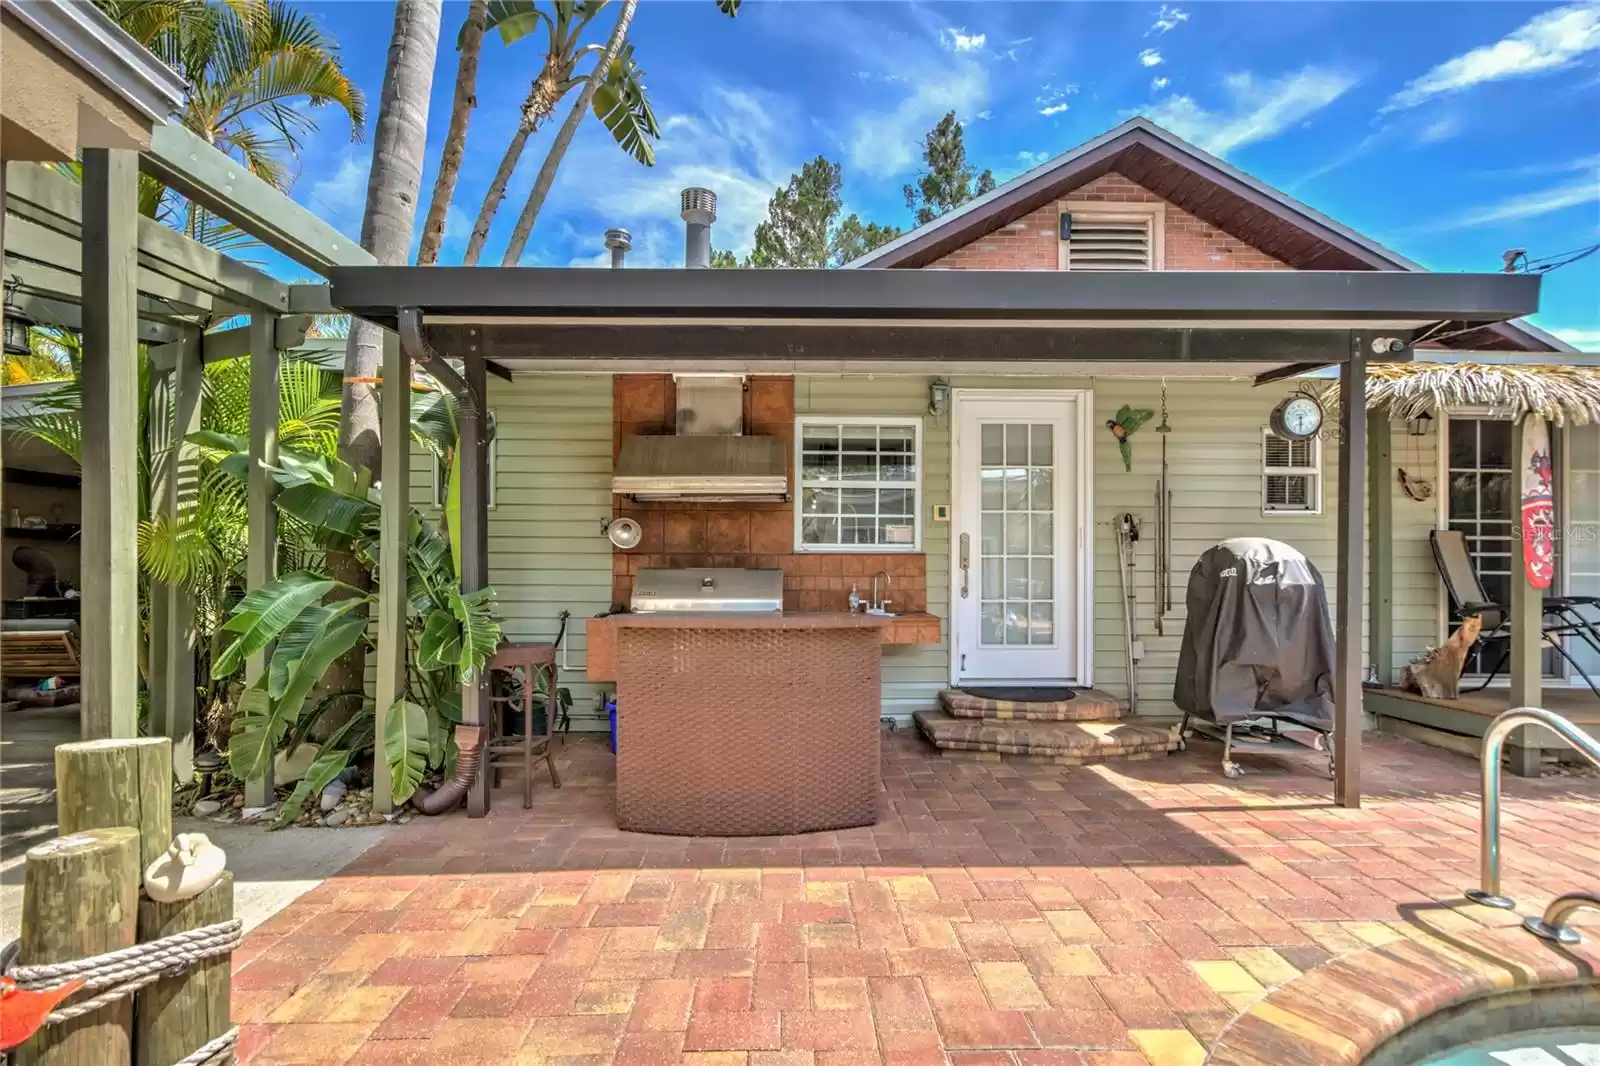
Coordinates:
<point>1023,693</point>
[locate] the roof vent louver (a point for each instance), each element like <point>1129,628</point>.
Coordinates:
<point>1108,241</point>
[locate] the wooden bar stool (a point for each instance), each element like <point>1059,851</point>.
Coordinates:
<point>515,672</point>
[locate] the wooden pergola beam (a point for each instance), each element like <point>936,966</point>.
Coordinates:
<point>1527,615</point>
<point>225,187</point>
<point>394,527</point>
<point>30,241</point>
<point>59,286</point>
<point>52,201</point>
<point>1347,692</point>
<point>1380,543</point>
<point>44,311</point>
<point>110,383</point>
<point>261,567</point>
<point>174,491</point>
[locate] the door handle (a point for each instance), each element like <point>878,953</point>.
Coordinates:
<point>966,562</point>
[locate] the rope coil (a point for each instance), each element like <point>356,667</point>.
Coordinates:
<point>118,974</point>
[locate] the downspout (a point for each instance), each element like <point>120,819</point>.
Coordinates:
<point>469,738</point>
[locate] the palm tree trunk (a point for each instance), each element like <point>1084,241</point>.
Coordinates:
<point>398,144</point>
<point>455,139</point>
<point>497,189</point>
<point>569,128</point>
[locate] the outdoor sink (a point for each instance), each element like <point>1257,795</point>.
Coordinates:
<point>880,612</point>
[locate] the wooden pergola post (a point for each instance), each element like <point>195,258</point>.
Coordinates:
<point>1380,544</point>
<point>1348,595</point>
<point>110,383</point>
<point>393,531</point>
<point>174,488</point>
<point>262,566</point>
<point>472,452</point>
<point>1527,615</point>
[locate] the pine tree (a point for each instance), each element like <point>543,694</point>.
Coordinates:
<point>803,229</point>
<point>948,182</point>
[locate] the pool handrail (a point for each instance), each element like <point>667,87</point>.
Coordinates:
<point>1488,890</point>
<point>1553,926</point>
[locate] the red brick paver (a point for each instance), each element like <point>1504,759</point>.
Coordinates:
<point>998,912</point>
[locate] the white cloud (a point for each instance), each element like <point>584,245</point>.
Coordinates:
<point>1548,41</point>
<point>961,41</point>
<point>1585,190</point>
<point>1150,57</point>
<point>1168,19</point>
<point>737,143</point>
<point>1587,340</point>
<point>1440,129</point>
<point>1052,99</point>
<point>1032,159</point>
<point>1054,109</point>
<point>1257,109</point>
<point>341,197</point>
<point>885,142</point>
<point>1157,84</point>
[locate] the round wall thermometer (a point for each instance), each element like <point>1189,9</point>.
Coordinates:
<point>1297,417</point>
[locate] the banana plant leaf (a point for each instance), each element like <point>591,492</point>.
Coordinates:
<point>267,611</point>
<point>405,745</point>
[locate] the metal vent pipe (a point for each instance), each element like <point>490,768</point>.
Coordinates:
<point>619,241</point>
<point>699,212</point>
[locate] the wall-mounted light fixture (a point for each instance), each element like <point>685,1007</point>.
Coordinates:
<point>938,396</point>
<point>17,322</point>
<point>1419,426</point>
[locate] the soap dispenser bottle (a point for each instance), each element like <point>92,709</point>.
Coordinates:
<point>855,599</point>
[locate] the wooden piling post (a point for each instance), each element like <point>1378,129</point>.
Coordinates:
<point>176,1015</point>
<point>80,898</point>
<point>102,783</point>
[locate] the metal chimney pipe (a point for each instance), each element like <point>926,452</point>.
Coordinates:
<point>699,211</point>
<point>619,241</point>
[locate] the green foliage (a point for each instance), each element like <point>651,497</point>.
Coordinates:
<point>405,745</point>
<point>623,108</point>
<point>948,182</point>
<point>802,227</point>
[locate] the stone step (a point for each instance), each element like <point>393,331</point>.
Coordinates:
<point>1086,705</point>
<point>1066,743</point>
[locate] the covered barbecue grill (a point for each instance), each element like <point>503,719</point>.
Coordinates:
<point>735,718</point>
<point>1258,651</point>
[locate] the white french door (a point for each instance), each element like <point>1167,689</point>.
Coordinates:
<point>1020,558</point>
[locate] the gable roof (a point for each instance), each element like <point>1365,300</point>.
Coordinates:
<point>1205,186</point>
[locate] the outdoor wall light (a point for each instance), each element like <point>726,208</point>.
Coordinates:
<point>1419,426</point>
<point>17,323</point>
<point>938,396</point>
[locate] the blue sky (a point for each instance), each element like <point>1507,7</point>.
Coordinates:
<point>1448,131</point>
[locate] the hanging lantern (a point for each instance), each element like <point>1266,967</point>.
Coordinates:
<point>17,322</point>
<point>1418,426</point>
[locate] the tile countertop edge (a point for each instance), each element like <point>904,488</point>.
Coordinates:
<point>750,620</point>
<point>1441,973</point>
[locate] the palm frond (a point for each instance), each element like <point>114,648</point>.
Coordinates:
<point>1565,395</point>
<point>622,106</point>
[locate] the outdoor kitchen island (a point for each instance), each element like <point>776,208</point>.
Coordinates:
<point>735,718</point>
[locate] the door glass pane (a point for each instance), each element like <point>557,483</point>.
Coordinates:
<point>1016,547</point>
<point>1482,504</point>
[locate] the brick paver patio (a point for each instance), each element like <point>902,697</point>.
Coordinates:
<point>1094,916</point>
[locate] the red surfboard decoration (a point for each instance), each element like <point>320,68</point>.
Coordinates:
<point>1538,505</point>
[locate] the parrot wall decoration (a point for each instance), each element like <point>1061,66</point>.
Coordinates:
<point>1123,425</point>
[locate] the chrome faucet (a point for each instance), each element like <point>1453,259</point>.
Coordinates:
<point>877,604</point>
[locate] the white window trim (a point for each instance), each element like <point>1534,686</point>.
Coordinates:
<point>1157,213</point>
<point>800,422</point>
<point>1315,472</point>
<point>439,484</point>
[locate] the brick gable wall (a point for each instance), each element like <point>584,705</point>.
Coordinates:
<point>1030,243</point>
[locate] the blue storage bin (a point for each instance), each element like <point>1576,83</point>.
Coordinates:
<point>611,710</point>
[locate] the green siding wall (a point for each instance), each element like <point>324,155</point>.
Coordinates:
<point>553,491</point>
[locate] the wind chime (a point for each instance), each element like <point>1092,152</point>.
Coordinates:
<point>1163,545</point>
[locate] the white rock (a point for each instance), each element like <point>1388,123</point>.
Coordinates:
<point>190,866</point>
<point>207,807</point>
<point>289,768</point>
<point>332,795</point>
<point>251,814</point>
<point>337,818</point>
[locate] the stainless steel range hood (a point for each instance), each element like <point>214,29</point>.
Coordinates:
<point>708,458</point>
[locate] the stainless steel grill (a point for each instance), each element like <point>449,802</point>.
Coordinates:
<point>707,590</point>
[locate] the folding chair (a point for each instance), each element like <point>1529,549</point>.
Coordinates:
<point>1562,614</point>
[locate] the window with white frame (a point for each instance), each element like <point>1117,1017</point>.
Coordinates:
<point>1291,475</point>
<point>441,474</point>
<point>860,484</point>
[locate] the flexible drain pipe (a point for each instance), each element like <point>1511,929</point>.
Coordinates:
<point>448,796</point>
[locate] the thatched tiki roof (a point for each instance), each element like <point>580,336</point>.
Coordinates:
<point>1561,394</point>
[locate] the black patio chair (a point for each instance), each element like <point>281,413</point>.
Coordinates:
<point>1563,615</point>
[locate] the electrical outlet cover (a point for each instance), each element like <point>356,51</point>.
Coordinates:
<point>941,512</point>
